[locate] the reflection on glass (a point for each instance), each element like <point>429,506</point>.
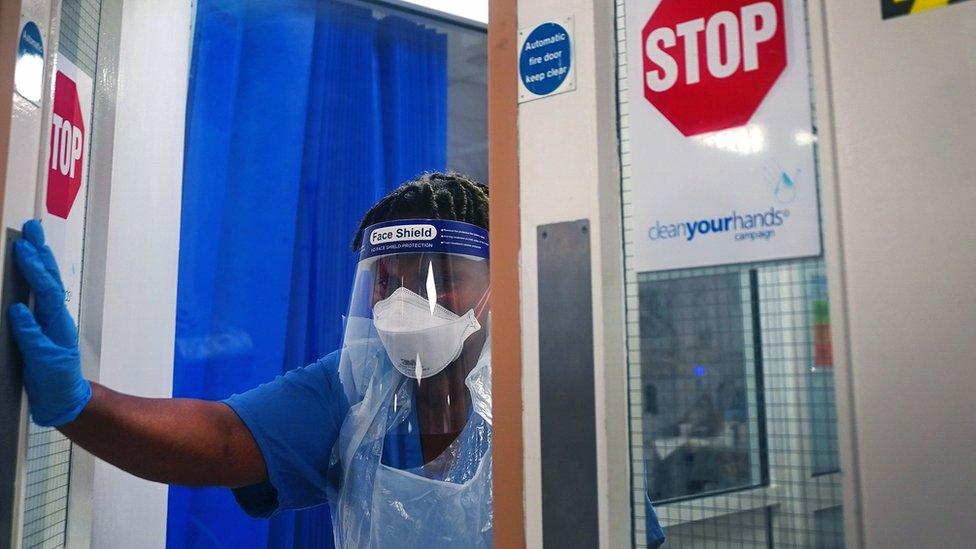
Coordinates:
<point>29,77</point>
<point>697,376</point>
<point>29,70</point>
<point>744,140</point>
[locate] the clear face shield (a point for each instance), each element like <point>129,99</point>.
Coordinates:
<point>412,462</point>
<point>418,318</point>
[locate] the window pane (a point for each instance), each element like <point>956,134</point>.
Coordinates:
<point>696,376</point>
<point>829,524</point>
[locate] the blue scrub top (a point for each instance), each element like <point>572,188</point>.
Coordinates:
<point>295,420</point>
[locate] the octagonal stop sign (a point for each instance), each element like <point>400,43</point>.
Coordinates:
<point>708,64</point>
<point>67,147</point>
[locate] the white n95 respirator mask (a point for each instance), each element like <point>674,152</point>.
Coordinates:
<point>420,337</point>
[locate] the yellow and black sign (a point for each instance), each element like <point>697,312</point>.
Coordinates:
<point>894,8</point>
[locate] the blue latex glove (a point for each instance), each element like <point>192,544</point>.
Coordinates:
<point>56,390</point>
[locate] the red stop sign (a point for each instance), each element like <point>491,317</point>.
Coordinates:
<point>708,64</point>
<point>67,147</point>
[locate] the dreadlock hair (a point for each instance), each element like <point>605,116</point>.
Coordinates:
<point>433,195</point>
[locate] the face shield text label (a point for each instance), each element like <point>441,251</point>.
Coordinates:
<point>400,233</point>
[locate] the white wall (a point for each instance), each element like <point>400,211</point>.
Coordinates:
<point>903,263</point>
<point>142,250</point>
<point>568,169</point>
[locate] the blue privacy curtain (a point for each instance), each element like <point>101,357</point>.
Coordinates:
<point>300,115</point>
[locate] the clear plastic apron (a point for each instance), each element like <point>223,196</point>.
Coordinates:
<point>445,503</point>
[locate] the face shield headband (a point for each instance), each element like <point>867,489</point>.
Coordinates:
<point>427,288</point>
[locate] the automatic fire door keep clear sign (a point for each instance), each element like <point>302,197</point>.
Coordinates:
<point>546,60</point>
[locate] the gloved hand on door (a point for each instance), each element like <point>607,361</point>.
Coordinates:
<point>56,390</point>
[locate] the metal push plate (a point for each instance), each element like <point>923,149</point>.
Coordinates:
<point>14,289</point>
<point>567,401</point>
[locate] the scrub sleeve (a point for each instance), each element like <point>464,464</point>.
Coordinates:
<point>295,421</point>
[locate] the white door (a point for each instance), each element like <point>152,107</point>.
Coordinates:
<point>47,179</point>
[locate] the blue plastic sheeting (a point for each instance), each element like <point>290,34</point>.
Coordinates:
<point>300,115</point>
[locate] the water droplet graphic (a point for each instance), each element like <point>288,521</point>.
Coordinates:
<point>786,187</point>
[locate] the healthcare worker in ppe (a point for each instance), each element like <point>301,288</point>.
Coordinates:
<point>412,464</point>
<point>393,429</point>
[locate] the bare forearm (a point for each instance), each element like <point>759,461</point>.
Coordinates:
<point>176,441</point>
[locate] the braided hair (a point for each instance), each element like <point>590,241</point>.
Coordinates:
<point>433,195</point>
